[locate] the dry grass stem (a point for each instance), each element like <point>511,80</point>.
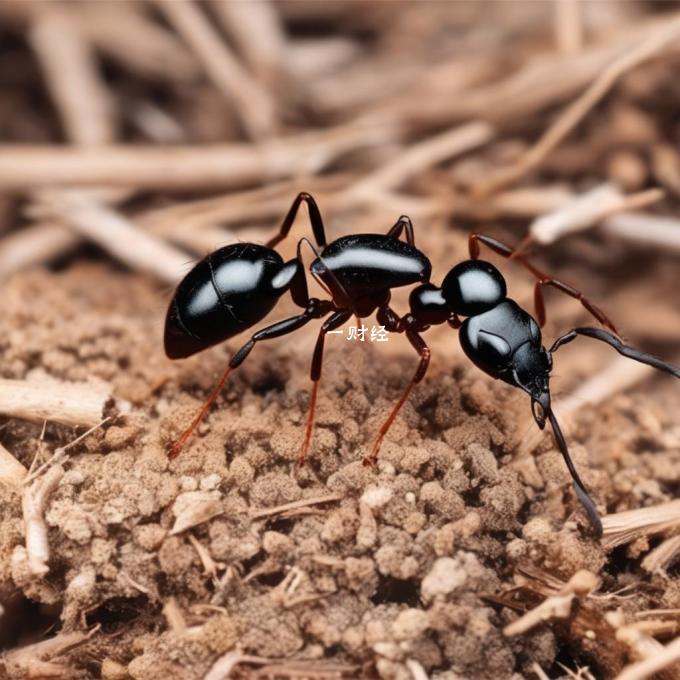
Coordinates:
<point>194,508</point>
<point>34,245</point>
<point>23,660</point>
<point>663,659</point>
<point>624,527</point>
<point>587,210</point>
<point>663,555</point>
<point>117,235</point>
<point>12,472</point>
<point>569,25</point>
<point>33,504</point>
<point>555,606</point>
<point>66,403</point>
<point>184,167</point>
<point>647,230</point>
<point>209,565</point>
<point>174,617</point>
<point>295,505</point>
<point>259,35</point>
<point>666,166</point>
<point>576,111</point>
<point>72,77</point>
<point>61,451</point>
<point>540,673</point>
<point>252,103</point>
<point>421,156</point>
<point>156,52</point>
<point>416,669</point>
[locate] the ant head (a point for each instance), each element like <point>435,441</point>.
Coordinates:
<point>473,287</point>
<point>531,373</point>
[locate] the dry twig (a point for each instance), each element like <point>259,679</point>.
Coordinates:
<point>587,210</point>
<point>12,472</point>
<point>66,403</point>
<point>185,167</point>
<point>574,113</point>
<point>34,502</point>
<point>295,505</point>
<point>118,236</point>
<point>663,658</point>
<point>556,606</point>
<point>646,230</point>
<point>623,527</point>
<point>252,103</point>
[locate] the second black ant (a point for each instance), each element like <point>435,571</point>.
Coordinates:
<point>235,287</point>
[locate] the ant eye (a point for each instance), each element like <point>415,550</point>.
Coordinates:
<point>473,287</point>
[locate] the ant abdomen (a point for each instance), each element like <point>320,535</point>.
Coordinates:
<point>227,292</point>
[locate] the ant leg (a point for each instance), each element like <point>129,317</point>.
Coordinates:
<point>315,310</point>
<point>544,279</point>
<point>424,351</point>
<point>403,223</point>
<point>613,341</point>
<point>331,323</point>
<point>314,218</point>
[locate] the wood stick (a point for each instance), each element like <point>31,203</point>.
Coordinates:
<point>556,606</point>
<point>568,26</point>
<point>649,230</point>
<point>663,555</point>
<point>624,527</point>
<point>34,502</point>
<point>268,512</point>
<point>422,156</point>
<point>586,210</point>
<point>12,472</point>
<point>184,167</point>
<point>60,452</point>
<point>20,658</point>
<point>257,30</point>
<point>576,111</point>
<point>34,245</point>
<point>67,403</point>
<point>174,617</point>
<point>531,88</point>
<point>154,53</point>
<point>669,655</point>
<point>118,236</point>
<point>252,103</point>
<point>71,74</point>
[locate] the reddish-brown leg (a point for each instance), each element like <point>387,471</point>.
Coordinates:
<point>331,323</point>
<point>179,444</point>
<point>424,352</point>
<point>544,279</point>
<point>315,310</point>
<point>289,219</point>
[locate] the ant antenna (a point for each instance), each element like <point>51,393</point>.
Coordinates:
<point>581,491</point>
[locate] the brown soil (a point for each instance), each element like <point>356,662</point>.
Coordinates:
<point>405,562</point>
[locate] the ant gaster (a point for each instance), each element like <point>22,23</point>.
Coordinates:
<point>236,286</point>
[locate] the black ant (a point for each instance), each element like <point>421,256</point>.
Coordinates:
<point>236,286</point>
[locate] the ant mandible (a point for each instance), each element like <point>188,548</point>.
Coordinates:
<point>236,286</point>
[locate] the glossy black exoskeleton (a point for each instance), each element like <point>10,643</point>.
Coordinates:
<point>237,286</point>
